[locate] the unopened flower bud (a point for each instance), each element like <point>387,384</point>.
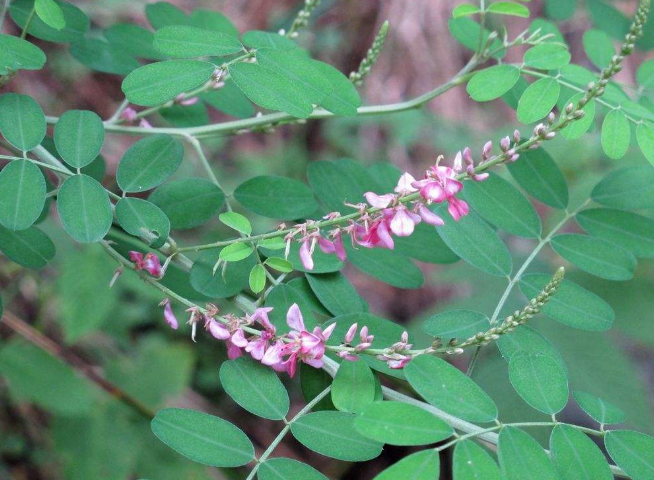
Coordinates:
<point>516,136</point>
<point>505,144</point>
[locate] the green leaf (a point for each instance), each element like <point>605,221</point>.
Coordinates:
<point>183,41</point>
<point>332,434</point>
<point>84,207</point>
<point>475,242</point>
<point>22,194</point>
<point>34,376</point>
<point>30,248</point>
<point>21,121</point>
<point>255,387</point>
<point>236,252</point>
<point>630,231</point>
<point>616,134</point>
<point>538,100</point>
<point>133,40</point>
<point>76,22</point>
<point>312,382</point>
<point>599,48</point>
<point>221,284</point>
<point>645,137</point>
<point>386,265</point>
<point>447,388</point>
<point>50,13</point>
<point>189,202</point>
<point>276,197</point>
<point>19,54</point>
<point>508,8</point>
<point>230,100</point>
<point>236,221</point>
<point>417,466</point>
<point>143,219</point>
<point>287,469</point>
<point>493,82</point>
<point>79,135</point>
<point>460,324</point>
<point>163,14</point>
<point>595,256</point>
<point>540,380</point>
<point>528,340</point>
<point>464,10</point>
<point>203,438</point>
<point>344,98</point>
<point>539,175</point>
<point>645,74</point>
<point>299,69</point>
<point>522,457</point>
<point>504,206</point>
<point>279,264</point>
<point>340,181</point>
<point>386,333</point>
<point>632,451</point>
<point>397,423</point>
<point>630,188</point>
<point>270,90</point>
<point>560,9</point>
<point>577,128</point>
<point>354,387</point>
<point>103,56</point>
<point>547,56</point>
<point>572,305</point>
<point>212,20</point>
<point>259,39</point>
<point>257,278</point>
<point>576,456</point>
<point>336,293</point>
<point>608,18</point>
<point>472,462</point>
<point>467,32</point>
<point>159,82</point>
<point>603,412</point>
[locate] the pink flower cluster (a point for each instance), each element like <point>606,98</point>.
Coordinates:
<point>150,263</point>
<point>284,352</point>
<point>393,216</point>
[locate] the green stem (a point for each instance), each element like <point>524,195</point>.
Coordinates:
<point>285,430</point>
<point>23,34</point>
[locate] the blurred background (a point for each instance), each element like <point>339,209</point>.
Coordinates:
<point>63,325</point>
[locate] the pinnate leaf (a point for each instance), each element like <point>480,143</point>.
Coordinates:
<point>540,380</point>
<point>631,451</point>
<point>417,466</point>
<point>630,188</point>
<point>22,121</point>
<point>616,134</point>
<point>287,469</point>
<point>30,248</point>
<point>51,14</point>
<point>538,100</point>
<point>84,207</point>
<point>354,387</point>
<point>599,409</point>
<point>493,82</point>
<point>276,197</point>
<point>460,324</point>
<point>522,457</point>
<point>472,462</point>
<point>187,42</point>
<point>539,175</point>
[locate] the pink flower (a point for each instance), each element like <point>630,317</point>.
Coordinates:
<point>274,354</point>
<point>308,347</point>
<point>457,208</point>
<point>169,315</point>
<point>180,99</point>
<point>399,362</point>
<point>431,190</point>
<point>217,329</point>
<point>403,222</point>
<point>306,252</point>
<point>233,351</point>
<point>379,201</point>
<point>238,338</point>
<point>376,236</point>
<point>129,114</point>
<point>405,184</point>
<point>429,217</point>
<point>259,346</point>
<point>335,246</point>
<point>351,332</point>
<point>348,356</point>
<point>261,315</point>
<point>150,263</point>
<point>144,123</point>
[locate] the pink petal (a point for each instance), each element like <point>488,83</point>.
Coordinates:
<point>430,217</point>
<point>327,246</point>
<point>314,362</point>
<point>457,208</point>
<point>152,265</point>
<point>402,224</point>
<point>136,257</point>
<point>238,338</point>
<point>261,315</point>
<point>351,332</point>
<point>379,201</point>
<point>433,191</point>
<point>327,332</point>
<point>256,348</point>
<point>169,316</point>
<point>305,255</point>
<point>405,184</point>
<point>233,351</point>
<point>384,237</point>
<point>340,249</point>
<point>218,330</point>
<point>294,318</point>
<point>273,354</point>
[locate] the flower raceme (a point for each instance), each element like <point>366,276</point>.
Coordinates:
<point>393,215</point>
<point>284,352</point>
